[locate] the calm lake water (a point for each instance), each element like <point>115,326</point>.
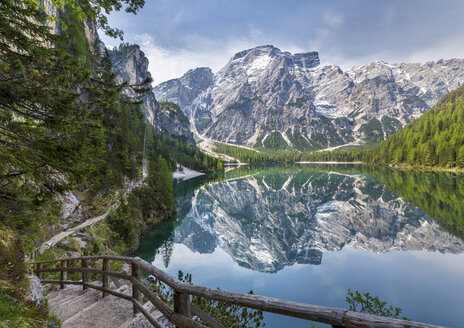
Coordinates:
<point>307,233</point>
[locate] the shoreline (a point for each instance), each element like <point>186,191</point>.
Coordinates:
<point>409,167</point>
<point>393,166</point>
<point>328,162</point>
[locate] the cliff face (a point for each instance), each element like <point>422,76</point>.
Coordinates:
<point>264,92</point>
<point>267,222</point>
<point>186,89</point>
<point>131,65</point>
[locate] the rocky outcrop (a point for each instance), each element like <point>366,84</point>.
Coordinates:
<point>131,65</point>
<point>35,292</point>
<point>71,212</point>
<point>267,222</point>
<point>265,97</point>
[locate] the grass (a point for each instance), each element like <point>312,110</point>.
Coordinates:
<point>17,312</point>
<point>15,309</point>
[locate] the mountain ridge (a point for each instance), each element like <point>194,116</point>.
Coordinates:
<point>264,92</point>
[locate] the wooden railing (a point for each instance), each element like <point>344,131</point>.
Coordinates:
<point>183,309</point>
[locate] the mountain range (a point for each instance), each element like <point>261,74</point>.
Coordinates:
<point>267,98</point>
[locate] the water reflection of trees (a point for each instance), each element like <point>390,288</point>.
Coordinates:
<point>439,194</point>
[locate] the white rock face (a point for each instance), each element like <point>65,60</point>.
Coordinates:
<point>69,203</point>
<point>264,91</point>
<point>35,292</point>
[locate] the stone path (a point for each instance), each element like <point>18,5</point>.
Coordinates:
<point>58,237</point>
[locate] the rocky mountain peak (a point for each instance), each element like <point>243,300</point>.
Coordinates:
<point>307,59</point>
<point>187,88</point>
<point>130,63</point>
<point>261,56</point>
<point>266,49</point>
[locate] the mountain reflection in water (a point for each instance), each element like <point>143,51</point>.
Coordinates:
<point>267,218</point>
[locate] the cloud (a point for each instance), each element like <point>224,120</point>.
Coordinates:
<point>446,48</point>
<point>166,64</point>
<point>333,19</point>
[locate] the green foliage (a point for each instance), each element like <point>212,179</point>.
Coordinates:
<point>390,124</point>
<point>177,150</point>
<point>409,101</point>
<point>366,303</point>
<point>148,205</point>
<point>15,309</point>
<point>334,155</point>
<point>298,141</point>
<point>275,141</point>
<point>434,140</point>
<point>64,123</point>
<point>252,156</point>
<point>169,106</point>
<point>48,137</point>
<point>439,194</point>
<point>372,130</point>
<point>94,10</point>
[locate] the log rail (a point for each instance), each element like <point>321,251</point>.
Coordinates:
<point>181,314</point>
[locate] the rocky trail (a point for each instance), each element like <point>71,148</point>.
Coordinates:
<point>60,236</point>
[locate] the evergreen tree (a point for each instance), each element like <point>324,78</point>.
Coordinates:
<point>44,140</point>
<point>435,139</point>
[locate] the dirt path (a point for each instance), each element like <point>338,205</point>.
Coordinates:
<point>57,238</point>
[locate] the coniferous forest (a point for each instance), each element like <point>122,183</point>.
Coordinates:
<point>433,140</point>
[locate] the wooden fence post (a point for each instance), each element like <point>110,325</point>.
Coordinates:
<point>135,292</point>
<point>85,274</point>
<point>64,274</point>
<point>39,273</point>
<point>181,304</point>
<point>105,277</point>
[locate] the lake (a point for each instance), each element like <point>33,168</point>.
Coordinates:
<point>308,233</point>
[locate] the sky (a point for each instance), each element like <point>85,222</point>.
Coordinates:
<point>178,35</point>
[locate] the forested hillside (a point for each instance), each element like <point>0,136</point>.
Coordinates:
<point>434,140</point>
<point>66,126</point>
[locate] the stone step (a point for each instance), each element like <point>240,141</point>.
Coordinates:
<point>69,301</point>
<point>54,293</point>
<point>106,312</point>
<point>78,308</point>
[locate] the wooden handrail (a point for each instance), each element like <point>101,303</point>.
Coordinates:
<point>180,315</point>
